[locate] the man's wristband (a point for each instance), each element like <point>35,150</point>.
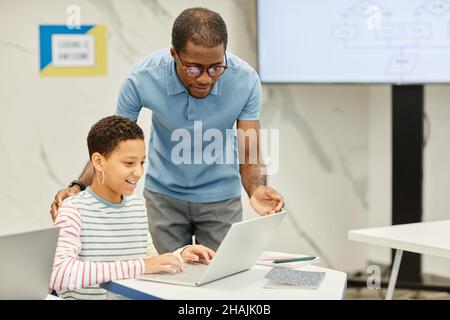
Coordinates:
<point>78,183</point>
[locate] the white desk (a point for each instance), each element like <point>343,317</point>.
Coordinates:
<point>424,237</point>
<point>247,285</point>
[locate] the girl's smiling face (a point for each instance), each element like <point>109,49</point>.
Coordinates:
<point>122,170</point>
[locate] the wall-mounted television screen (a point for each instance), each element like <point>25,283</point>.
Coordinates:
<point>351,41</point>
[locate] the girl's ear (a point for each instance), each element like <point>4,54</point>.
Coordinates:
<point>97,161</point>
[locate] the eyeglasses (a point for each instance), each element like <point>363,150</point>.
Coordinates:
<point>197,71</point>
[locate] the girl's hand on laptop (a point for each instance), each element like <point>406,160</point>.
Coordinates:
<point>167,262</point>
<point>197,253</point>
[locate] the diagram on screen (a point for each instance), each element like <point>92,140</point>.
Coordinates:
<point>405,33</point>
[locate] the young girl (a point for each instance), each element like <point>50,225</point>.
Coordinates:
<point>103,229</point>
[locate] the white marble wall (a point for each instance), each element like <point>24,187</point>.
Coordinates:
<point>334,140</point>
<point>323,167</point>
<point>436,182</point>
<point>45,121</point>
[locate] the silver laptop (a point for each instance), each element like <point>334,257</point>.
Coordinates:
<point>26,264</point>
<point>239,250</point>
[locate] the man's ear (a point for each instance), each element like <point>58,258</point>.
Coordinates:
<point>97,161</point>
<point>173,52</point>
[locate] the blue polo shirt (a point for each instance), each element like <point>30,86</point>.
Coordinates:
<point>192,152</point>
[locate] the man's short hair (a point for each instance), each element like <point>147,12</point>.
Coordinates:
<point>202,26</point>
<point>106,134</point>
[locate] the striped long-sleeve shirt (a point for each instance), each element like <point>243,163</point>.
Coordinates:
<point>98,242</point>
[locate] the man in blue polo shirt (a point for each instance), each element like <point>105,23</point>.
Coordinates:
<point>199,94</point>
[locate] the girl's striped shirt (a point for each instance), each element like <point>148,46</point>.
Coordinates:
<point>99,242</point>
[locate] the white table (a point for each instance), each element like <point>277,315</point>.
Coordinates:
<point>423,237</point>
<point>247,285</point>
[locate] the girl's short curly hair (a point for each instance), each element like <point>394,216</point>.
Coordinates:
<point>106,134</point>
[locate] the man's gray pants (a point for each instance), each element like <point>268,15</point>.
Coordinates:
<point>172,222</point>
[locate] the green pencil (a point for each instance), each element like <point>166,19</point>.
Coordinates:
<point>294,259</point>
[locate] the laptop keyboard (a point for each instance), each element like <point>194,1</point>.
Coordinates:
<point>192,273</point>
